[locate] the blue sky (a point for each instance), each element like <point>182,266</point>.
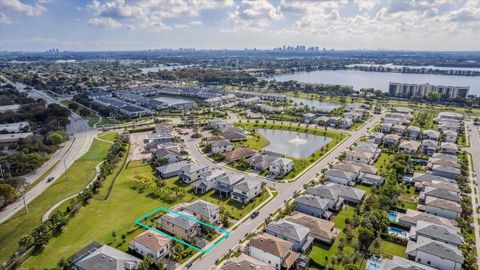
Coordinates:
<point>236,24</point>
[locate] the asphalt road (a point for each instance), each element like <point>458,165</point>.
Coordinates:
<point>78,145</point>
<point>474,150</point>
<point>285,191</point>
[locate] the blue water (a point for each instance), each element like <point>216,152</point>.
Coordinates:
<point>291,143</point>
<point>373,265</point>
<point>379,80</point>
<point>392,216</point>
<point>173,100</point>
<point>397,231</point>
<point>315,104</point>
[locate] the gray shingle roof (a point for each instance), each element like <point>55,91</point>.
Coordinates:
<point>202,208</point>
<point>438,232</point>
<point>179,220</point>
<point>443,194</point>
<point>107,257</point>
<point>247,185</point>
<point>172,167</point>
<point>436,249</point>
<point>287,229</point>
<point>313,201</point>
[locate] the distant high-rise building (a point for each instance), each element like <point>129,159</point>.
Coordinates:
<point>409,90</point>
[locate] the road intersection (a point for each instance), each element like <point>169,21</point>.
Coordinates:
<point>80,140</point>
<point>285,192</point>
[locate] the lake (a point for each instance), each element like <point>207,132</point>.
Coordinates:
<point>173,100</point>
<point>379,80</point>
<point>291,143</point>
<point>315,104</point>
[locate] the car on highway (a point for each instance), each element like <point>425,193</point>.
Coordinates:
<point>50,179</point>
<point>254,214</point>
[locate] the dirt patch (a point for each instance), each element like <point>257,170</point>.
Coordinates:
<point>137,146</point>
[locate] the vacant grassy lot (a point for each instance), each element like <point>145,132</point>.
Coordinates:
<point>130,199</point>
<point>300,163</point>
<point>79,174</point>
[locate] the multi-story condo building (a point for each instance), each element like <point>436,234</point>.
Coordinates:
<point>409,90</point>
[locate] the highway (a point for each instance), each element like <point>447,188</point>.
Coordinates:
<point>285,191</point>
<point>78,144</point>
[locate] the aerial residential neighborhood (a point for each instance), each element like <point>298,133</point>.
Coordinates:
<point>239,135</point>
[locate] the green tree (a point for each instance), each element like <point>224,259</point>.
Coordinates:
<point>73,106</point>
<point>55,138</point>
<point>147,263</point>
<point>365,238</point>
<point>8,192</point>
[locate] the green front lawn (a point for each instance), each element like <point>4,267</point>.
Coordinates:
<point>79,174</point>
<point>100,218</point>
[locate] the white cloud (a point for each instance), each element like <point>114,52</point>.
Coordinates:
<point>366,5</point>
<point>20,7</point>
<point>104,22</point>
<point>151,14</point>
<point>4,19</point>
<point>255,15</point>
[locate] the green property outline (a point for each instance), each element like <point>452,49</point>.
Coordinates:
<point>139,223</point>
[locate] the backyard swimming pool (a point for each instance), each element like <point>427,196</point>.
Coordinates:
<point>374,264</point>
<point>393,216</point>
<point>397,232</point>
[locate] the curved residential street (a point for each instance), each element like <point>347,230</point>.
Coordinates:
<point>80,140</point>
<point>285,191</point>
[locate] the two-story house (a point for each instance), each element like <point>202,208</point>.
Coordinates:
<point>295,233</point>
<point>246,190</point>
<point>151,243</point>
<point>180,224</point>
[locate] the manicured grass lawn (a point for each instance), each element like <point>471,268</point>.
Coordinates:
<point>254,141</point>
<point>390,249</point>
<point>340,218</point>
<point>301,163</point>
<point>109,136</point>
<point>79,174</point>
<point>96,221</point>
<point>367,189</point>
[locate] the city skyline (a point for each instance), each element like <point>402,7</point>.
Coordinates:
<point>37,25</point>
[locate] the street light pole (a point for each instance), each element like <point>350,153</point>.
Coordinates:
<point>24,201</point>
<point>65,168</point>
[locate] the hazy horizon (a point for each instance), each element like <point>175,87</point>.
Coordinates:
<point>133,25</point>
